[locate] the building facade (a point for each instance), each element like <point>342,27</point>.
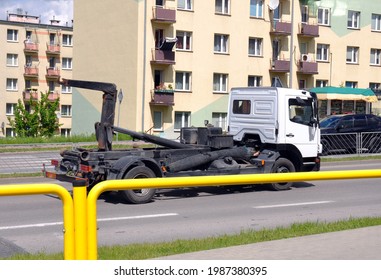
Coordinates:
<point>34,57</point>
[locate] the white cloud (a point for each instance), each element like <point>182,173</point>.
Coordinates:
<point>47,9</point>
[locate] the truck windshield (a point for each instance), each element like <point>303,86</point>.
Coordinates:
<point>301,111</point>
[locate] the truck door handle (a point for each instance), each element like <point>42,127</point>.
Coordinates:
<point>290,135</point>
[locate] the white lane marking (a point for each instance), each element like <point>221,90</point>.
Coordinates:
<point>292,204</point>
<point>99,220</point>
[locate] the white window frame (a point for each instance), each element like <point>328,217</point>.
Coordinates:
<point>254,81</point>
<point>353,20</point>
<point>351,84</point>
<point>375,57</point>
<point>157,118</point>
<point>255,46</point>
<point>186,5</point>
<point>12,59</point>
<point>220,120</point>
<point>184,121</point>
<point>12,84</point>
<point>66,89</point>
<point>10,132</point>
<point>10,109</point>
<point>324,16</point>
<point>65,132</point>
<point>185,38</point>
<point>376,22</point>
<point>375,86</point>
<point>67,63</point>
<point>256,8</point>
<point>51,86</point>
<point>221,43</point>
<point>183,81</point>
<point>321,83</point>
<point>67,40</point>
<point>352,55</point>
<point>220,83</point>
<point>66,110</point>
<point>222,7</point>
<point>12,35</point>
<point>322,52</point>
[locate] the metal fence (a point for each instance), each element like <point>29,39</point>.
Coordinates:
<point>351,143</point>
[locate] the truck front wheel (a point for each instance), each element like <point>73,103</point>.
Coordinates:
<point>139,196</point>
<point>282,165</point>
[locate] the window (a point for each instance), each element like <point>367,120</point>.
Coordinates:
<point>255,46</point>
<point>12,84</point>
<point>220,82</point>
<point>66,110</point>
<point>184,40</point>
<point>183,81</point>
<point>221,43</point>
<point>12,59</point>
<point>67,40</point>
<point>12,35</point>
<point>52,86</point>
<point>242,107</point>
<point>65,132</point>
<point>375,86</point>
<point>305,15</point>
<point>182,119</point>
<point>254,81</point>
<point>184,4</point>
<point>256,8</point>
<point>10,109</point>
<point>321,83</point>
<point>159,2</point>
<point>223,6</point>
<point>351,84</point>
<point>220,120</point>
<point>66,89</point>
<point>157,121</point>
<point>10,132</point>
<point>353,20</point>
<point>324,16</point>
<point>322,53</point>
<point>300,112</point>
<point>352,54</point>
<point>376,22</point>
<point>67,63</point>
<point>375,57</point>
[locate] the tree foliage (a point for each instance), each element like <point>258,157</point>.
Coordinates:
<point>41,120</point>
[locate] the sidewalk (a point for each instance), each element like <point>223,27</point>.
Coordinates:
<point>358,244</point>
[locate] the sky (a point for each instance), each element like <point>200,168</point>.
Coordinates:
<point>61,9</point>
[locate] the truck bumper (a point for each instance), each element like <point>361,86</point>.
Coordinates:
<point>59,176</point>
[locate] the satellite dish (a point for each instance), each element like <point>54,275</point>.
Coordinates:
<point>273,4</point>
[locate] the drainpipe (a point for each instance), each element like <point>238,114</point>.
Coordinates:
<point>291,45</point>
<point>144,62</point>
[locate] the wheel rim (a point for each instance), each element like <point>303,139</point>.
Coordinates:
<point>141,192</point>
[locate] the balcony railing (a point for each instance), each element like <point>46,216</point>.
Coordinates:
<point>29,95</point>
<point>280,28</point>
<point>278,65</point>
<point>53,48</point>
<point>163,57</point>
<point>308,30</point>
<point>52,73</point>
<point>308,67</point>
<point>162,97</point>
<point>53,96</point>
<point>30,47</point>
<point>163,15</point>
<point>31,71</point>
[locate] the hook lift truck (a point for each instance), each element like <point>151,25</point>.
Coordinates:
<point>270,130</point>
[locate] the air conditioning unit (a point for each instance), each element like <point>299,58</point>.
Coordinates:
<point>305,58</point>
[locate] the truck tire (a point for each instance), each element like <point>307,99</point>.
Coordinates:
<point>139,196</point>
<point>282,165</point>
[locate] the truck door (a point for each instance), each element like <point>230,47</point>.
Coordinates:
<point>301,128</point>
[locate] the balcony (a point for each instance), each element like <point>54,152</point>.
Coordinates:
<point>163,15</point>
<point>280,66</point>
<point>30,47</point>
<point>30,71</point>
<point>162,97</point>
<point>308,67</point>
<point>53,49</point>
<point>164,54</point>
<point>53,96</point>
<point>280,28</point>
<point>308,30</point>
<point>30,95</point>
<point>52,73</point>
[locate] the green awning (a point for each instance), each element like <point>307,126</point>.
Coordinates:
<point>344,93</point>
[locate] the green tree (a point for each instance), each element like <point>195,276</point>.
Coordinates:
<point>41,120</point>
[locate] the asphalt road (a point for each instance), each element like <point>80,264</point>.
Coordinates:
<point>34,223</point>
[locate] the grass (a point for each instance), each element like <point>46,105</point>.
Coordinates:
<point>155,250</point>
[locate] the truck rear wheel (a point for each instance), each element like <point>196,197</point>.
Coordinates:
<point>139,196</point>
<point>282,165</point>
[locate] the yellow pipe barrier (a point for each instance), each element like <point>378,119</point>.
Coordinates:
<point>80,218</point>
<point>197,181</point>
<point>67,206</point>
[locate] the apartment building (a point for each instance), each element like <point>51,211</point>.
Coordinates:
<point>34,56</point>
<point>176,60</point>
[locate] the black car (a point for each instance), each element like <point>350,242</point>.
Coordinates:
<point>351,133</point>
